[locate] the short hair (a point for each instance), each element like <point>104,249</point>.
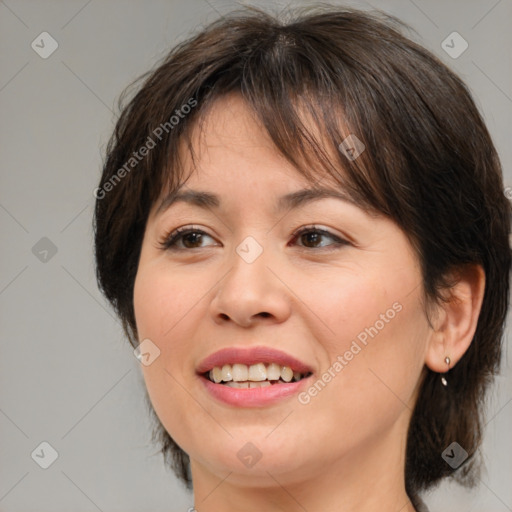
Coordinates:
<point>429,165</point>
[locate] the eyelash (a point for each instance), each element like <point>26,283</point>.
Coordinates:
<point>168,243</point>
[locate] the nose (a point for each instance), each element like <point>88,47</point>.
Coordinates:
<point>251,292</point>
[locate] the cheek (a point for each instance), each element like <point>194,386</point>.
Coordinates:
<point>378,329</point>
<point>160,300</point>
<point>350,304</point>
<point>380,365</point>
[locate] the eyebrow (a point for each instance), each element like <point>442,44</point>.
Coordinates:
<point>293,200</point>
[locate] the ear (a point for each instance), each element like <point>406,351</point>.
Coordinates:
<point>456,319</point>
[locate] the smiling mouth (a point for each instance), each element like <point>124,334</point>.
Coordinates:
<point>257,375</point>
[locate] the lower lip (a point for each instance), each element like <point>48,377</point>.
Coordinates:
<point>253,397</point>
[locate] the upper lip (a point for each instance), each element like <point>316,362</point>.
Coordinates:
<point>252,355</point>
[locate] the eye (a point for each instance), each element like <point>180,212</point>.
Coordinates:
<point>191,238</point>
<point>188,236</point>
<point>312,235</point>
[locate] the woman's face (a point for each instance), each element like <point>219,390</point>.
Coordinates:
<point>346,304</point>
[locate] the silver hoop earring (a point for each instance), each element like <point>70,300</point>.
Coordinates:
<point>444,382</point>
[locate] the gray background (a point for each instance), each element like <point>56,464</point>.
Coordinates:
<point>67,376</point>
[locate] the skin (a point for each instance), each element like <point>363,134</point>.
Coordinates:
<point>345,449</point>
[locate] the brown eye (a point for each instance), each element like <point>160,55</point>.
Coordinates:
<point>312,237</point>
<point>192,238</point>
<point>184,238</point>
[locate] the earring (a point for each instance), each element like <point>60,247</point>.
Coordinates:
<point>444,382</point>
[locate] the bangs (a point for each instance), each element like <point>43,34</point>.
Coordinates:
<point>311,116</point>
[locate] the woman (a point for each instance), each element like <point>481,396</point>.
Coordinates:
<point>303,229</point>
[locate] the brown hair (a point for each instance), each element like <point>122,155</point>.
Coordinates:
<point>429,165</point>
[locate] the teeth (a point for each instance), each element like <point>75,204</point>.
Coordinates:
<point>286,373</point>
<point>263,384</point>
<point>248,384</point>
<point>226,373</point>
<point>239,385</point>
<point>240,372</point>
<point>257,372</point>
<point>216,374</point>
<point>273,371</point>
<point>240,375</point>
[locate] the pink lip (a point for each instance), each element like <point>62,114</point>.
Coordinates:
<point>254,397</point>
<point>250,356</point>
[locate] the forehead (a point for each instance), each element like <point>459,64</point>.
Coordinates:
<point>229,129</point>
<point>228,156</point>
<point>226,143</point>
<point>230,125</point>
